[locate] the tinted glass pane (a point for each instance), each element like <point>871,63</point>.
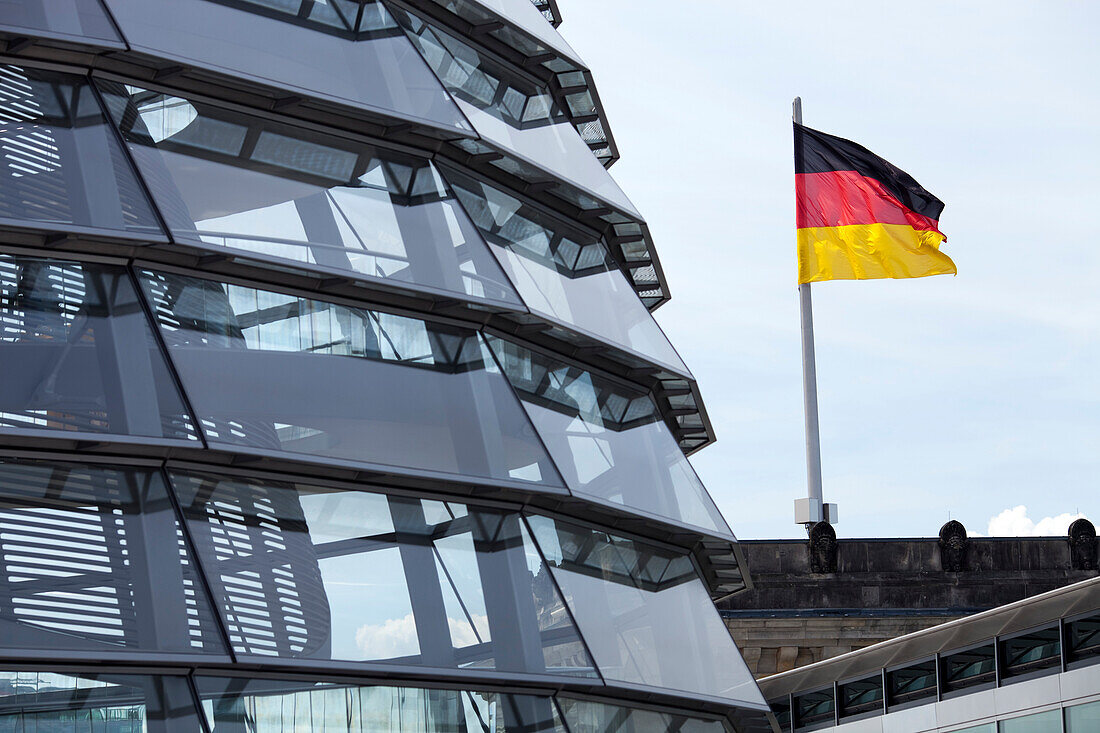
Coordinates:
<point>539,36</point>
<point>93,559</point>
<point>647,617</point>
<point>228,180</point>
<point>968,668</point>
<point>1048,722</point>
<point>812,708</point>
<point>307,572</point>
<point>389,76</point>
<point>276,372</point>
<point>266,706</point>
<point>563,274</point>
<point>986,728</point>
<point>80,20</point>
<point>585,716</point>
<point>861,697</point>
<point>99,703</point>
<point>479,81</point>
<point>61,166</point>
<point>77,353</point>
<point>1083,638</point>
<point>1030,652</point>
<point>915,682</point>
<point>1083,718</point>
<point>609,442</point>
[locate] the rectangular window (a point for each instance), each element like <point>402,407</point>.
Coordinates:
<point>813,710</point>
<point>912,683</point>
<point>1083,718</point>
<point>968,668</point>
<point>1083,639</point>
<point>1031,652</point>
<point>1048,722</point>
<point>861,698</point>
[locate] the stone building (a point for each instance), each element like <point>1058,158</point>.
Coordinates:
<point>813,604</point>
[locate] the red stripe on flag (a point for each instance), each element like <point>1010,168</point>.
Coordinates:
<point>842,198</point>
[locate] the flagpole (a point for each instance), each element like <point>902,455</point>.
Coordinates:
<point>810,510</point>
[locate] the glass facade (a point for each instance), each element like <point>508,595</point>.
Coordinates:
<point>62,168</point>
<point>312,418</point>
<point>237,182</point>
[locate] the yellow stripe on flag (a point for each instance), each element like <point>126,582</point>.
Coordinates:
<point>869,252</point>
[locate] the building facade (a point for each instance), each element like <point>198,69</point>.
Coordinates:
<point>331,397</point>
<point>812,602</point>
<point>1025,667</point>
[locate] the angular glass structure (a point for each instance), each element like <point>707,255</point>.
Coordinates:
<point>332,398</point>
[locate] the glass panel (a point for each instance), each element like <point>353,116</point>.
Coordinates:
<point>308,572</point>
<point>584,716</point>
<point>647,617</point>
<point>269,706</point>
<point>1083,718</point>
<point>103,703</point>
<point>390,77</point>
<point>609,442</point>
<point>814,708</point>
<point>1083,638</point>
<point>861,696</point>
<point>229,180</point>
<point>969,668</point>
<point>985,728</point>
<point>77,354</point>
<point>479,81</point>
<point>782,710</point>
<point>61,166</point>
<point>93,559</point>
<point>563,274</point>
<point>1048,722</point>
<point>1033,651</point>
<point>915,682</point>
<point>79,20</point>
<point>542,37</point>
<point>276,372</point>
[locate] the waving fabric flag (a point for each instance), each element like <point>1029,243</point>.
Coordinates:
<point>859,217</point>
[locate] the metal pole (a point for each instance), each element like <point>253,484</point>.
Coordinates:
<point>809,390</point>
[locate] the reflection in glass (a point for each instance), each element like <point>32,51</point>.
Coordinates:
<point>277,372</point>
<point>585,716</point>
<point>268,706</point>
<point>915,682</point>
<point>1048,722</point>
<point>814,708</point>
<point>476,79</point>
<point>60,165</point>
<point>94,703</point>
<point>93,559</point>
<point>374,68</point>
<point>79,20</point>
<point>234,181</point>
<point>968,668</point>
<point>860,697</point>
<point>608,441</point>
<point>77,353</point>
<point>1033,651</point>
<point>307,572</point>
<point>647,617</point>
<point>1083,718</point>
<point>563,274</point>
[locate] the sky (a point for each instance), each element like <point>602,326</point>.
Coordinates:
<point>971,397</point>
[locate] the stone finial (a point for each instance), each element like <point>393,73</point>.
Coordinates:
<point>822,548</point>
<point>954,545</point>
<point>1082,544</point>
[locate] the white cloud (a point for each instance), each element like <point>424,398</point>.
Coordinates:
<point>1016,523</point>
<point>396,637</point>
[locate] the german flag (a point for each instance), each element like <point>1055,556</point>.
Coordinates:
<point>859,217</point>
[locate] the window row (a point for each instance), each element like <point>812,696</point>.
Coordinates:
<point>98,702</point>
<point>1050,649</point>
<point>260,190</point>
<point>275,374</point>
<point>381,58</point>
<point>128,561</point>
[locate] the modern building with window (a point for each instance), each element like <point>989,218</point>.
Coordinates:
<point>330,395</point>
<point>1032,666</point>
